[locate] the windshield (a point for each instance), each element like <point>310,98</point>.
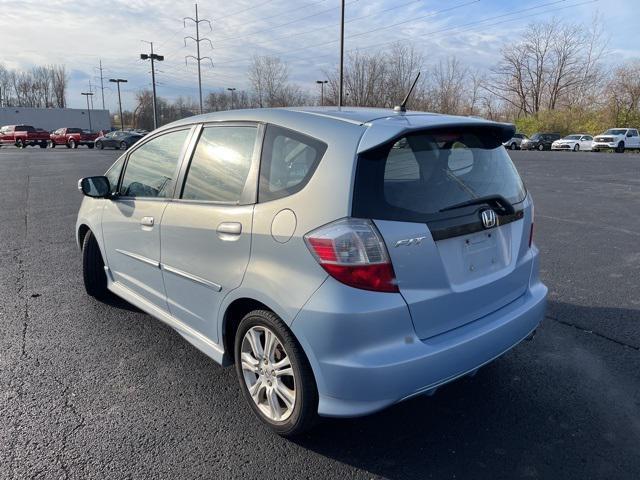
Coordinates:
<point>572,137</point>
<point>418,176</point>
<point>615,131</point>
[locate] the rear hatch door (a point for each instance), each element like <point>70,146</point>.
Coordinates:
<point>428,192</point>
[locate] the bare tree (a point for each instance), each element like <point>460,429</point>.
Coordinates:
<point>623,95</point>
<point>554,64</point>
<point>269,77</point>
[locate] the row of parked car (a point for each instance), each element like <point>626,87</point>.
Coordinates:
<point>617,139</point>
<point>26,135</point>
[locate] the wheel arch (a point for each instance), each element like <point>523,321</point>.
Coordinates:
<point>233,314</point>
<point>83,229</point>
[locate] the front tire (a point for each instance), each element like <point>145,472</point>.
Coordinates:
<point>540,147</point>
<point>576,148</point>
<point>73,144</point>
<point>93,274</point>
<point>20,143</point>
<point>100,145</point>
<point>620,148</point>
<point>513,146</point>
<point>123,145</point>
<point>274,374</point>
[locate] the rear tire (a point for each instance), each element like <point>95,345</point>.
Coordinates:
<point>304,412</point>
<point>540,147</point>
<point>43,144</point>
<point>90,146</point>
<point>93,274</point>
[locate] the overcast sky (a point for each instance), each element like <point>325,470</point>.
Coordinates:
<point>302,32</point>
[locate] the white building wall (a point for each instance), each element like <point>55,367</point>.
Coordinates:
<point>54,118</point>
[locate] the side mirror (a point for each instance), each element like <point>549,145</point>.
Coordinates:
<point>95,187</point>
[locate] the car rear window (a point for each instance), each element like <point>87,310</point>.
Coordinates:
<point>416,177</point>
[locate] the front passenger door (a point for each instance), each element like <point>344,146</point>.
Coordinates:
<point>131,219</point>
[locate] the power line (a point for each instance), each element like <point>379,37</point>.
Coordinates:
<point>432,14</point>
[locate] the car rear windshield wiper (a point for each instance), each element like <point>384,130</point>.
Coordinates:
<point>498,200</point>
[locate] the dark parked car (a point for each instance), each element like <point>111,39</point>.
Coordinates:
<point>540,141</point>
<point>119,140</point>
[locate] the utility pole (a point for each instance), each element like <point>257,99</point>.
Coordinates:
<point>152,56</point>
<point>341,53</point>
<point>232,90</point>
<point>322,82</point>
<point>88,94</point>
<point>118,81</point>
<point>91,90</point>
<point>101,83</point>
<point>197,21</point>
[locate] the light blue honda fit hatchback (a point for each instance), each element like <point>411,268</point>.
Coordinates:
<point>343,260</point>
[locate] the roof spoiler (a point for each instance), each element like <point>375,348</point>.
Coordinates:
<point>382,132</point>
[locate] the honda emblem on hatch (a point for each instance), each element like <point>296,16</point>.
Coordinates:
<point>489,218</point>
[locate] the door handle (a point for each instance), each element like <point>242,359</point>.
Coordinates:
<point>147,221</point>
<point>229,231</point>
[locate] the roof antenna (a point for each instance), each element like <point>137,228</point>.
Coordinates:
<point>402,107</point>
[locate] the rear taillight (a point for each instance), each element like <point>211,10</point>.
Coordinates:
<point>352,251</point>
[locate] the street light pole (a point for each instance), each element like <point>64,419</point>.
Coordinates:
<point>88,94</point>
<point>231,89</point>
<point>341,53</point>
<point>118,81</point>
<point>322,82</point>
<point>152,56</point>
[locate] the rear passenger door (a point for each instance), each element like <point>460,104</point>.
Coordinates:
<point>634,140</point>
<point>206,230</point>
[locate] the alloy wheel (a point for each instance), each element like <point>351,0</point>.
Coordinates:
<point>268,373</point>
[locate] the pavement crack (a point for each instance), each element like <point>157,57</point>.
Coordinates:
<point>593,332</point>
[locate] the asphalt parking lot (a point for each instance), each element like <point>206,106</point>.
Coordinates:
<point>90,390</point>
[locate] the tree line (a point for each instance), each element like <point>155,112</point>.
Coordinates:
<point>40,87</point>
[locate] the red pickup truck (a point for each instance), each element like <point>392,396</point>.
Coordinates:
<point>23,135</point>
<point>72,137</point>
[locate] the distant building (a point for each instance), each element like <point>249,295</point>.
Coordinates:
<point>54,118</point>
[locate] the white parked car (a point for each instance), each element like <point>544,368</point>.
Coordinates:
<point>575,142</point>
<point>618,139</point>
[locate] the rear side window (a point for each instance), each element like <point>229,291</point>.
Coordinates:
<point>151,169</point>
<point>74,130</point>
<point>220,164</point>
<point>288,161</point>
<point>418,176</point>
<point>25,128</point>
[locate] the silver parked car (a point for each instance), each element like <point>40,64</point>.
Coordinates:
<point>515,142</point>
<point>342,260</point>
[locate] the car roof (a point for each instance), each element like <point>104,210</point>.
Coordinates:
<point>375,125</point>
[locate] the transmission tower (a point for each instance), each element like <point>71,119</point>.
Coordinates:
<point>197,21</point>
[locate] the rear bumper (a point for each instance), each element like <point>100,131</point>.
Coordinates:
<point>366,356</point>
